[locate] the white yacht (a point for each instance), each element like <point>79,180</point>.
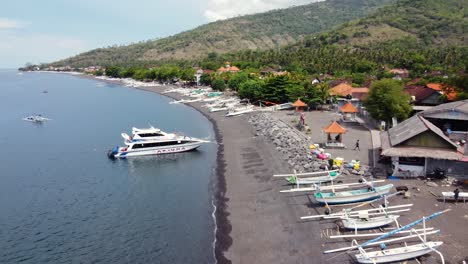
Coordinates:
<point>153,141</point>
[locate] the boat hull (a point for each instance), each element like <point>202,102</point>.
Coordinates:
<point>348,197</point>
<point>361,224</point>
<point>311,180</point>
<point>158,150</point>
<point>397,254</point>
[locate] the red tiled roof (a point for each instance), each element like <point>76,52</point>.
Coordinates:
<point>222,69</point>
<point>342,89</point>
<point>334,128</point>
<point>449,92</point>
<point>348,108</point>
<point>419,92</point>
<point>434,86</point>
<point>299,103</point>
<point>360,93</point>
<point>233,68</point>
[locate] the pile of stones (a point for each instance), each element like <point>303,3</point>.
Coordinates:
<point>293,145</point>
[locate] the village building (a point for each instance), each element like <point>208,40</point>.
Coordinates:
<point>399,74</point>
<point>432,140</point>
<point>345,93</point>
<point>228,68</point>
<point>422,95</point>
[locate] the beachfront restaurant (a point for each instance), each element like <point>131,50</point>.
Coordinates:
<point>416,147</point>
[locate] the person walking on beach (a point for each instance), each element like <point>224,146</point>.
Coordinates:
<point>456,194</point>
<point>357,146</point>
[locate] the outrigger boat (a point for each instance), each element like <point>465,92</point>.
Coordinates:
<point>398,254</point>
<point>240,111</point>
<point>154,142</point>
<point>332,186</point>
<point>366,219</point>
<point>309,178</point>
<point>366,222</point>
<point>352,196</point>
<point>36,119</point>
<point>185,101</point>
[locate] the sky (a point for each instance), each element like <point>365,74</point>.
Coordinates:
<point>48,30</point>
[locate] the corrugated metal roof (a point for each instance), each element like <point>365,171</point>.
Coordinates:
<point>433,153</point>
<point>412,127</point>
<point>460,106</point>
<point>405,130</point>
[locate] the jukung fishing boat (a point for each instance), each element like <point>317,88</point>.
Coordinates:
<point>309,178</point>
<point>366,222</point>
<point>352,196</point>
<point>240,110</point>
<point>332,186</point>
<point>396,254</point>
<point>346,213</point>
<point>36,118</point>
<point>154,142</point>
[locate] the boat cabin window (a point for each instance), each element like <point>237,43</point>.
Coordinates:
<point>159,144</point>
<point>150,135</point>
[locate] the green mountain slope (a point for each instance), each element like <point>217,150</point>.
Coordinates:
<point>429,22</point>
<point>420,35</point>
<point>254,32</point>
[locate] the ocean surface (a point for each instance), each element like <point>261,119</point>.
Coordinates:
<point>63,201</point>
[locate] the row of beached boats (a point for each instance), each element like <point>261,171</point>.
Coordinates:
<point>214,101</point>
<point>321,185</point>
<point>218,102</point>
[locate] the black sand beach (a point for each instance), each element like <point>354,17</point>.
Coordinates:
<point>257,224</point>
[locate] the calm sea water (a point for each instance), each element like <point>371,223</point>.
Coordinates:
<point>63,201</point>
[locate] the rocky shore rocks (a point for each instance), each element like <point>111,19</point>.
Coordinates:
<point>293,145</point>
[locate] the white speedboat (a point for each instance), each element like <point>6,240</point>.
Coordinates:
<point>36,119</point>
<point>152,141</point>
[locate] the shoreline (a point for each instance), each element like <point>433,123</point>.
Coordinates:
<point>222,239</point>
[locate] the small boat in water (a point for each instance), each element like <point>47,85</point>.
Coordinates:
<point>36,119</point>
<point>153,141</point>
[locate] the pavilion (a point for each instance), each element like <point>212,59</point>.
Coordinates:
<point>349,112</point>
<point>299,105</point>
<point>334,128</point>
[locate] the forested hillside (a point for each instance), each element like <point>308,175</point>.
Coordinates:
<point>253,32</point>
<point>419,35</point>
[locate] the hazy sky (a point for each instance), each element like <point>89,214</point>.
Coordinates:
<point>47,30</point>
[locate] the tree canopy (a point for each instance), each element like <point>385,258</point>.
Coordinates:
<point>386,100</point>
